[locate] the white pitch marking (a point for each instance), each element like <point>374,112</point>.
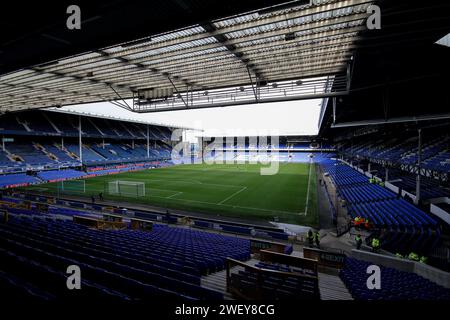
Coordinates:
<point>175,194</point>
<point>307,191</point>
<point>228,198</point>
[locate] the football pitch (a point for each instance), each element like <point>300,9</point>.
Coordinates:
<point>229,190</point>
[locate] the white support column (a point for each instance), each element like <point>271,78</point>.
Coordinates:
<point>148,142</point>
<point>3,144</point>
<point>80,143</point>
<point>103,143</point>
<point>62,142</point>
<point>387,174</point>
<point>132,144</point>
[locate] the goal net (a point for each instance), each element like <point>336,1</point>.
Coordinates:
<point>72,186</point>
<point>126,188</point>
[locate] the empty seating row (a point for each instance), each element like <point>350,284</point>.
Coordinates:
<point>15,180</point>
<point>365,193</point>
<point>395,284</point>
<point>127,264</point>
<point>404,226</point>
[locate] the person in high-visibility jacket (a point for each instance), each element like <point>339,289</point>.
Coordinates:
<point>358,240</point>
<point>317,239</point>
<point>375,244</point>
<point>413,256</point>
<point>423,259</point>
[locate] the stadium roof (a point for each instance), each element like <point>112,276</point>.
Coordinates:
<point>124,118</point>
<point>400,71</point>
<point>288,52</point>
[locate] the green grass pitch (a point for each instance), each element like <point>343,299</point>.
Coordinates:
<point>222,189</point>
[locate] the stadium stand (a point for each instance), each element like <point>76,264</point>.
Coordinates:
<point>15,180</point>
<point>396,285</point>
<point>403,226</point>
<point>173,258</point>
<point>48,149</point>
<point>60,174</point>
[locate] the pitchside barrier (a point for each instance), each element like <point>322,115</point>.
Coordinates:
<point>258,243</point>
<point>325,258</point>
<point>125,188</point>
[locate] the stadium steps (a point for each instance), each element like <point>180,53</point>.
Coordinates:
<point>332,288</point>
<point>42,149</point>
<point>218,281</point>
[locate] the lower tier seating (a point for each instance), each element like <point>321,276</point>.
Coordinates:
<point>395,284</point>
<point>116,264</point>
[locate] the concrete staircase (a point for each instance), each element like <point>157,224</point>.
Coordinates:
<point>41,148</point>
<point>218,281</point>
<point>332,288</point>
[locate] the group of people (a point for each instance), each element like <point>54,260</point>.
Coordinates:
<point>100,197</point>
<point>376,245</point>
<point>375,181</point>
<point>313,237</point>
<point>360,222</point>
<point>413,257</point>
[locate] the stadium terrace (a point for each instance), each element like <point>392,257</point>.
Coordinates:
<point>118,175</point>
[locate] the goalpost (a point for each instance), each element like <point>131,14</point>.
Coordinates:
<point>72,186</point>
<point>126,188</point>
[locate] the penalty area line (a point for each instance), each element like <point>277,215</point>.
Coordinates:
<point>228,198</point>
